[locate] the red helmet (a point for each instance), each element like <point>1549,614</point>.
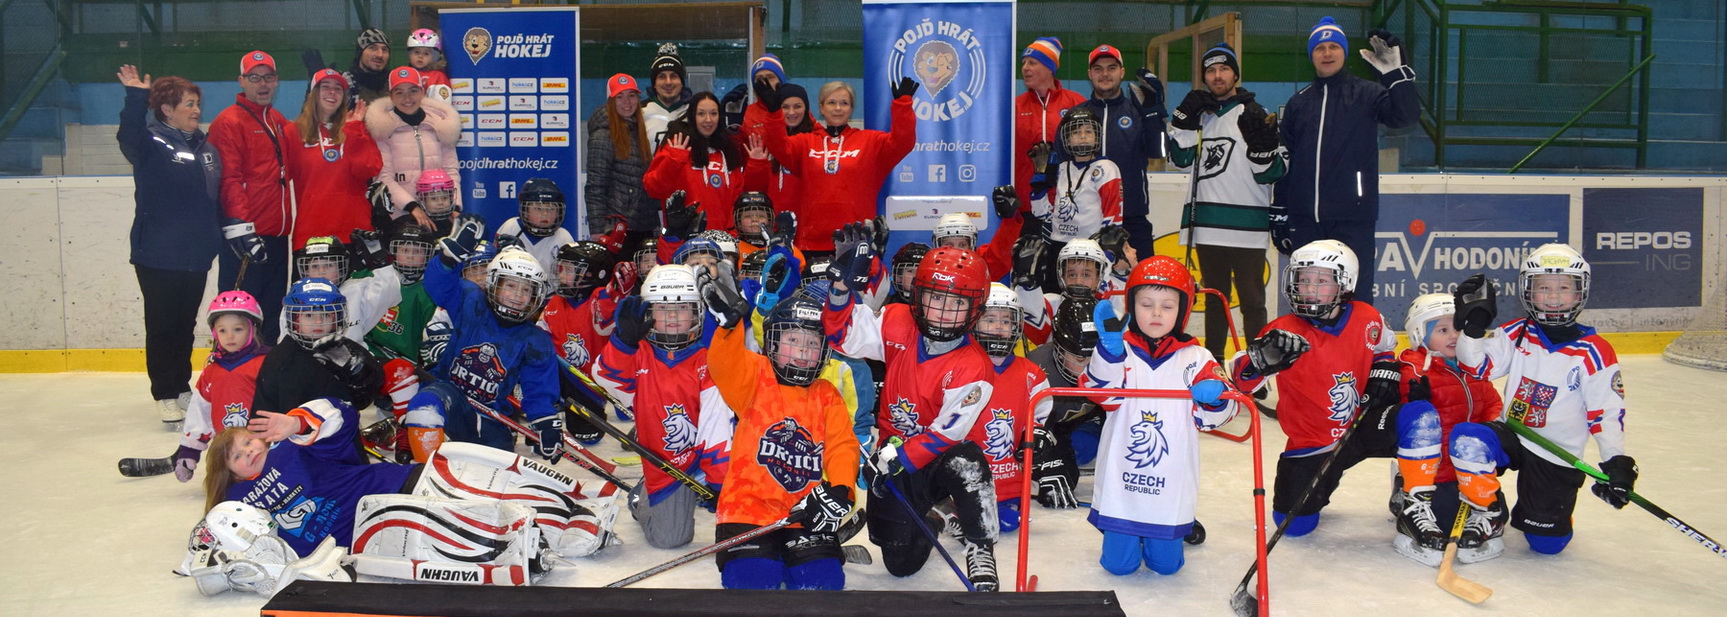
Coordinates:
<point>949,271</point>
<point>1165,272</point>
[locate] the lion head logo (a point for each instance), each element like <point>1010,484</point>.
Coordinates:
<point>936,63</point>
<point>477,41</point>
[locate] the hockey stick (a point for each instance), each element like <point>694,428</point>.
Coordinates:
<point>1242,602</point>
<point>703,552</point>
<point>1517,425</point>
<point>934,540</point>
<point>625,412</point>
<point>569,454</point>
<point>1471,591</point>
<point>599,421</point>
<point>570,442</point>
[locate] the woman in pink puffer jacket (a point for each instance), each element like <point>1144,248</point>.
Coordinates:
<point>414,133</point>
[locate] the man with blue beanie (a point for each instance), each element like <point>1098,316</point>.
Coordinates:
<point>1330,127</point>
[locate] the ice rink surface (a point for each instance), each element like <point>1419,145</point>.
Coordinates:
<point>79,539</point>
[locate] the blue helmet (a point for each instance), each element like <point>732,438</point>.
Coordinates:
<point>484,252</point>
<point>317,312</point>
<point>698,246</point>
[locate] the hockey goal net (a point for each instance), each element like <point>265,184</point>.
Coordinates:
<point>1704,343</point>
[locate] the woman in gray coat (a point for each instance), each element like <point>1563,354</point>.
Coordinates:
<point>617,160</point>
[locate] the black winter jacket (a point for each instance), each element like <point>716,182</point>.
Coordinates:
<point>177,220</point>
<point>1331,130</point>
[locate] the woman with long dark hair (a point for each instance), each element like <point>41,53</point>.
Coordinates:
<point>700,158</point>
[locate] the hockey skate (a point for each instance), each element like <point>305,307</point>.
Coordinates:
<point>172,414</point>
<point>942,518</point>
<point>1418,534</point>
<point>382,440</point>
<point>1482,537</point>
<point>980,565</point>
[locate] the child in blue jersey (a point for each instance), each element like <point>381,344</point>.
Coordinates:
<point>1148,458</point>
<point>495,347</point>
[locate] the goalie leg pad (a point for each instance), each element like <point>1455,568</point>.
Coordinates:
<point>445,531</point>
<point>324,564</point>
<point>369,567</point>
<point>572,524</point>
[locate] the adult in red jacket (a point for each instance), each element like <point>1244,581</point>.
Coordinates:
<point>701,158</point>
<point>249,135</point>
<point>1038,111</point>
<point>782,185</point>
<point>843,168</point>
<point>331,159</point>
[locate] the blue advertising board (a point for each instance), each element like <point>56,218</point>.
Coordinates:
<point>1430,243</point>
<point>1644,246</point>
<point>513,79</point>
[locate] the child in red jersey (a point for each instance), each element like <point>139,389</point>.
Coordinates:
<point>1346,369</point>
<point>223,396</point>
<point>1016,380</point>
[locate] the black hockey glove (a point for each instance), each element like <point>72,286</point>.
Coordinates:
<point>823,508</point>
<point>313,60</point>
<point>1039,155</point>
<point>1148,94</point>
<point>243,239</point>
<point>1196,103</point>
<point>852,258</point>
<point>768,95</point>
<point>505,241</point>
<point>1259,133</point>
<point>1476,306</point>
<point>1112,238</point>
<point>1382,383</point>
<point>634,321</point>
<point>683,221</point>
<point>354,367</point>
<point>1275,351</point>
<point>1029,268</point>
<point>369,249</point>
<point>877,228</point>
<point>1621,473</point>
<point>551,432</point>
<point>785,229</point>
<point>1055,470</point>
<point>1280,229</point>
<point>1005,200</point>
<point>461,243</point>
<point>728,307</point>
<point>1420,389</point>
<point>905,87</point>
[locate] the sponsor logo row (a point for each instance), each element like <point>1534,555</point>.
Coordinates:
<point>514,139</point>
<point>510,85</point>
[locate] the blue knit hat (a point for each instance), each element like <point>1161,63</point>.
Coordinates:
<point>1326,30</point>
<point>1046,51</point>
<point>769,63</point>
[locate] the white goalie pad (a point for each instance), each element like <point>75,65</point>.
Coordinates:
<point>479,542</point>
<point>574,518</point>
<point>324,564</point>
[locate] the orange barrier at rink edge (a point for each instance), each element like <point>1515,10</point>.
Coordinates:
<point>327,599</point>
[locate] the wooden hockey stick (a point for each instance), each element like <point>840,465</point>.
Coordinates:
<point>1471,591</point>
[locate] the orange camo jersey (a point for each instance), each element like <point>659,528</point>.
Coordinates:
<point>787,438</point>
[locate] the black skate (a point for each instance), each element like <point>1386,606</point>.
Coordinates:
<point>380,439</point>
<point>1418,535</point>
<point>1482,534</point>
<point>980,565</point>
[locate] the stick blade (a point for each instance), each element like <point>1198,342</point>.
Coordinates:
<point>857,554</point>
<point>146,467</point>
<point>1243,603</point>
<point>1470,591</point>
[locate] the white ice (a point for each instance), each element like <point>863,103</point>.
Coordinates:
<point>81,540</point>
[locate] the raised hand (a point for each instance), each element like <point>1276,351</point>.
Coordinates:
<point>129,77</point>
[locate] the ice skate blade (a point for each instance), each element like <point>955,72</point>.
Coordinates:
<point>1491,549</point>
<point>1407,547</point>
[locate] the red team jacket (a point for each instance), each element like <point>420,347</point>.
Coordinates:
<point>1002,422</point>
<point>1321,393</point>
<point>680,415</point>
<point>842,175</point>
<point>1036,119</point>
<point>251,140</point>
<point>715,187</point>
<point>330,183</point>
<point>1458,397</point>
<point>579,331</point>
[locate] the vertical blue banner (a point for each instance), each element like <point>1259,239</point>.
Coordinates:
<point>513,79</point>
<point>961,55</point>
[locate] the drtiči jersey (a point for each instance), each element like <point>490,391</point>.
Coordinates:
<point>1148,454</point>
<point>312,483</point>
<point>1566,392</point>
<point>1001,425</point>
<point>398,333</point>
<point>680,415</point>
<point>1232,206</point>
<point>788,439</point>
<point>1321,393</point>
<point>486,359</point>
<point>929,398</point>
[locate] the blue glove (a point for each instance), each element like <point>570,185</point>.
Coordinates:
<point>1109,329</point>
<point>461,244</point>
<point>551,430</point>
<point>243,240</point>
<point>1207,392</point>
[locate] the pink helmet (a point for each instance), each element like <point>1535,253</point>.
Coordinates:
<point>425,38</point>
<point>236,302</point>
<point>434,180</point>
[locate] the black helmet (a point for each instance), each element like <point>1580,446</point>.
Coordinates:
<point>412,236</point>
<point>753,201</point>
<point>796,313</point>
<point>1073,334</point>
<point>591,262</point>
<point>322,249</point>
<point>1077,117</point>
<point>541,191</point>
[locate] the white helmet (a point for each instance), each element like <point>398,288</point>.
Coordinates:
<point>231,528</point>
<point>728,243</point>
<point>1422,310</point>
<point>1086,249</point>
<point>1324,254</point>
<point>425,38</point>
<point>673,284</point>
<point>516,264</point>
<point>955,224</point>
<point>1000,297</point>
<point>1554,259</point>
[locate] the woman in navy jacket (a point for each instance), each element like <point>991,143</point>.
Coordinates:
<point>176,226</point>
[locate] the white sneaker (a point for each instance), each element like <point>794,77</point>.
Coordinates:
<point>172,414</point>
<point>184,401</point>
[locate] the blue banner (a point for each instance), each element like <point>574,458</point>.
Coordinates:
<point>962,57</point>
<point>1430,243</point>
<point>513,79</point>
<point>1644,246</point>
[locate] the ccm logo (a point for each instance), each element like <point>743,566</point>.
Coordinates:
<point>1629,240</point>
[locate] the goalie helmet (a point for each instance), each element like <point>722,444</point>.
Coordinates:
<point>317,312</point>
<point>1161,271</point>
<point>541,193</point>
<point>753,202</point>
<point>1423,310</point>
<point>799,362</point>
<point>1075,335</point>
<point>1077,120</point>
<point>674,284</point>
<point>1549,259</point>
<point>322,257</point>
<point>1328,255</point>
<point>1082,249</point>
<point>227,534</point>
<point>516,286</point>
<point>948,293</point>
<point>955,224</point>
<point>1003,304</point>
<point>589,261</point>
<point>411,248</point>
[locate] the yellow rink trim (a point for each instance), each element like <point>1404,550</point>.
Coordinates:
<point>132,360</point>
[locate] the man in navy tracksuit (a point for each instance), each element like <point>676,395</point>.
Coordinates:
<point>1331,130</point>
<point>1133,125</point>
